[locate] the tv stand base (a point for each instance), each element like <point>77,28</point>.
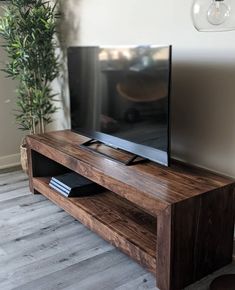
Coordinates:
<point>131,159</point>
<point>176,221</point>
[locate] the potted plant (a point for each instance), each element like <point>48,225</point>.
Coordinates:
<point>28,28</point>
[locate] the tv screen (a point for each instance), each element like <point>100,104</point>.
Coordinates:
<point>120,96</point>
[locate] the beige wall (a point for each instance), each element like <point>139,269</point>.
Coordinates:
<point>203,98</point>
<point>203,92</point>
<point>10,136</point>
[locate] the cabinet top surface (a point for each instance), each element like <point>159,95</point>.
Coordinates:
<point>167,185</point>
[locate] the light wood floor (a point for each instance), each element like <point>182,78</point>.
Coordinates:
<point>43,248</point>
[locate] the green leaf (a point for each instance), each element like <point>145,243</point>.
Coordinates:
<point>28,28</point>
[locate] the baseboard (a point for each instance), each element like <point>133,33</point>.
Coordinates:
<point>9,161</point>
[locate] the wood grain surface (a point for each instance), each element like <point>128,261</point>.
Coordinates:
<point>153,186</point>
<point>166,218</point>
<point>115,219</point>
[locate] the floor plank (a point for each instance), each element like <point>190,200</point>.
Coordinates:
<point>145,281</point>
<point>43,248</point>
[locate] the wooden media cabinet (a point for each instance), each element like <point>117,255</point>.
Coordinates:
<point>176,221</point>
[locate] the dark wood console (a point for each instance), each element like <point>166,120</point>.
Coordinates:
<point>178,221</point>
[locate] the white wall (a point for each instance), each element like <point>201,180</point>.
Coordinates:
<point>203,92</point>
<point>10,136</point>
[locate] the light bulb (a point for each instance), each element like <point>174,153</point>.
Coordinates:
<point>213,15</point>
<point>218,12</point>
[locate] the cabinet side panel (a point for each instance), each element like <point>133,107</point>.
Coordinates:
<point>164,250</point>
<point>185,227</point>
<point>214,245</point>
<point>203,235</point>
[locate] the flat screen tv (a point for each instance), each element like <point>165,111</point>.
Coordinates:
<point>121,96</point>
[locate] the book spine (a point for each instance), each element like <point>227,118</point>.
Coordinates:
<point>58,190</point>
<point>60,183</point>
<point>60,186</point>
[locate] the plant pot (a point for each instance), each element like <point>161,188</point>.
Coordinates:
<point>24,158</point>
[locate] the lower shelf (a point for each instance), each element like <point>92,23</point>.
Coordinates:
<point>115,219</point>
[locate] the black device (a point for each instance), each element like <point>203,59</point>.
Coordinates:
<point>121,97</point>
<point>72,184</point>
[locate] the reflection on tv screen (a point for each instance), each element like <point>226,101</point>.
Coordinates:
<point>122,92</point>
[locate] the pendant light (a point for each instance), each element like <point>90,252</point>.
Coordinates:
<point>213,15</point>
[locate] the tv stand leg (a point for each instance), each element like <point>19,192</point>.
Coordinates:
<point>163,254</point>
<point>30,171</point>
<point>192,238</point>
<point>35,192</point>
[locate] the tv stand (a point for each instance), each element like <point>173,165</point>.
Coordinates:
<point>178,222</point>
<point>124,157</point>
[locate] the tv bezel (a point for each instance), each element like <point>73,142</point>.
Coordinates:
<point>145,151</point>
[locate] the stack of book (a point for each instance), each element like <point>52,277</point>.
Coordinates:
<point>74,185</point>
